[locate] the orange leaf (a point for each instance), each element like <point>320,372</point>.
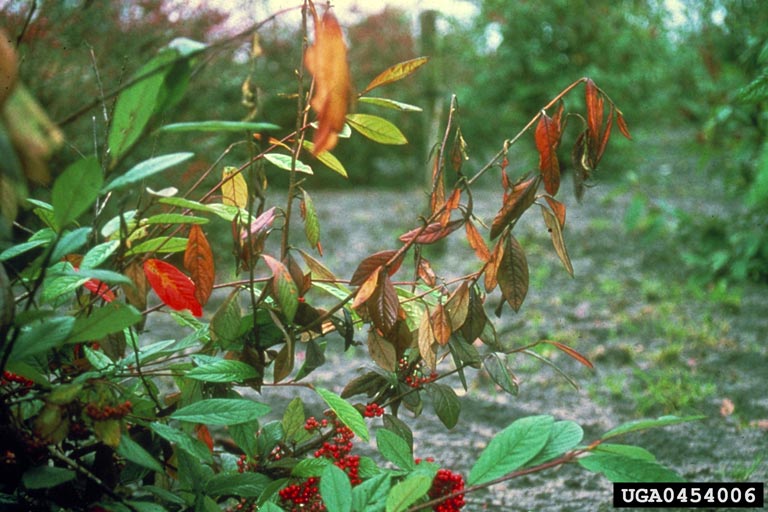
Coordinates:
<point>366,289</point>
<point>492,267</point>
<point>558,209</point>
<point>622,125</point>
<point>327,61</point>
<point>605,136</point>
<point>426,273</point>
<point>198,260</point>
<point>441,325</point>
<point>174,288</point>
<point>571,352</point>
<point>396,72</point>
<point>477,243</point>
<point>547,139</point>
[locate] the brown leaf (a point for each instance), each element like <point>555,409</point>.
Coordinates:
<point>476,242</point>
<point>372,263</point>
<point>136,295</point>
<point>457,305</point>
<point>441,325</point>
<point>284,362</point>
<point>523,195</point>
<point>492,268</point>
<point>327,61</point>
<point>476,317</point>
<point>556,232</point>
<point>513,274</point>
<point>426,273</point>
<point>366,289</point>
<point>458,151</point>
<point>383,305</point>
<point>381,351</point>
<point>571,352</point>
<point>547,139</point>
<point>427,348</point>
<point>303,282</point>
<point>605,136</point>
<point>622,125</point>
<point>437,196</point>
<point>198,260</point>
<point>451,204</point>
<point>558,208</point>
<point>582,164</point>
<point>432,233</point>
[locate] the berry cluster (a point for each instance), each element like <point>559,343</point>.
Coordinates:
<point>373,410</point>
<point>415,375</point>
<point>312,424</point>
<point>244,505</point>
<point>338,449</point>
<point>24,384</point>
<point>447,482</point>
<point>304,496</point>
<point>244,465</point>
<point>109,412</point>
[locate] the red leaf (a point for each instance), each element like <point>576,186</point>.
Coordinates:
<point>198,260</point>
<point>327,61</point>
<point>372,263</point>
<point>432,233</point>
<point>605,136</point>
<point>204,435</point>
<point>174,288</point>
<point>523,195</point>
<point>622,125</point>
<point>594,103</point>
<point>100,289</point>
<point>547,139</point>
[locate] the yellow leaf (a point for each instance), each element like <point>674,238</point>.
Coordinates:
<point>234,189</point>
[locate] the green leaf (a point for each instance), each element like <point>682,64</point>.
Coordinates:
<point>99,254</point>
<point>621,468</point>
<point>511,448</point>
<point>243,434</point>
<point>98,359</point>
<point>327,159</point>
<point>293,421</point>
<point>41,336</point>
<point>446,403</point>
<point>221,411</point>
<point>350,416</point>
<point>108,319</point>
<point>223,211</point>
<point>175,218</point>
<point>43,477</point>
<point>336,489</point>
<point>498,371</point>
<point>145,506</point>
<point>159,245</point>
<point>134,452</point>
<point>183,441</point>
<point>75,191</point>
<point>136,104</point>
<point>233,483</point>
<point>645,424</point>
<point>223,370</point>
<point>388,103</point>
<point>307,468</point>
<point>284,162</point>
<point>634,452</point>
<point>377,129</point>
<point>565,435</point>
<point>219,126</point>
<point>146,169</point>
<point>407,492</point>
<point>395,449</point>
<point>18,249</point>
<point>225,324</point>
<point>70,242</point>
<point>371,495</point>
<point>311,222</point>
